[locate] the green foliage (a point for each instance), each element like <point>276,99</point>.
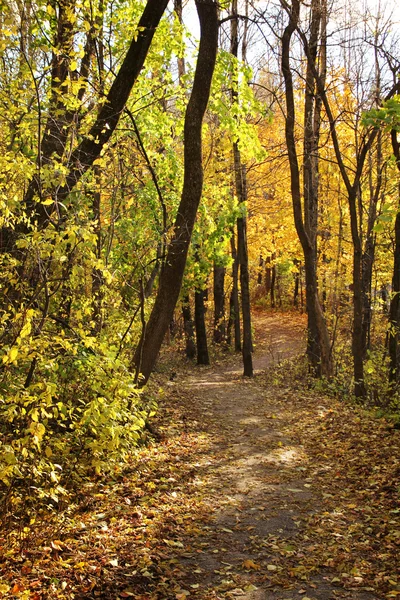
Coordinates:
<point>68,403</point>
<point>387,116</point>
<point>237,119</point>
<point>83,415</point>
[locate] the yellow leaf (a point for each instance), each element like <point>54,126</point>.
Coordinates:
<point>13,354</point>
<point>26,330</point>
<point>4,588</point>
<point>250,564</point>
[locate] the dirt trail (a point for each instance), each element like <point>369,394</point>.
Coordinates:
<point>256,489</point>
<point>255,482</point>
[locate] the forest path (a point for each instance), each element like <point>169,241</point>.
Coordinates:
<point>256,481</point>
<point>257,489</point>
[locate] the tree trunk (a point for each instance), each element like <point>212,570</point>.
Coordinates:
<point>260,270</point>
<point>357,337</point>
<point>268,276</point>
<point>188,327</point>
<point>234,308</point>
<point>200,324</point>
<point>247,346</point>
<point>394,311</point>
<point>296,283</point>
<point>172,274</point>
<point>273,281</point>
<point>318,345</point>
<point>241,193</point>
<point>219,304</point>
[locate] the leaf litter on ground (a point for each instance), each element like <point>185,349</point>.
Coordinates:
<point>254,488</point>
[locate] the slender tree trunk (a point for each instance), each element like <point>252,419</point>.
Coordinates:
<point>219,304</point>
<point>357,337</point>
<point>273,281</point>
<point>375,186</point>
<point>318,345</point>
<point>241,193</point>
<point>234,306</point>
<point>188,328</point>
<point>394,310</point>
<point>97,275</point>
<point>200,324</point>
<point>268,276</point>
<point>367,267</point>
<point>296,284</point>
<point>247,346</point>
<point>172,274</point>
<point>260,270</point>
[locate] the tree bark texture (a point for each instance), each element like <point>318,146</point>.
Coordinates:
<point>172,274</point>
<point>201,331</point>
<point>394,311</point>
<point>219,304</point>
<point>234,307</point>
<point>260,270</point>
<point>190,349</point>
<point>247,345</point>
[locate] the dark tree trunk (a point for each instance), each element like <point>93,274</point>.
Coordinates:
<point>247,347</point>
<point>260,270</point>
<point>201,332</point>
<point>219,304</point>
<point>394,311</point>
<point>273,282</point>
<point>172,273</point>
<point>318,345</point>
<point>357,337</point>
<point>368,256</point>
<point>241,193</point>
<point>367,267</point>
<point>234,307</point>
<point>268,276</point>
<point>97,275</point>
<point>296,283</point>
<point>188,327</point>
<point>59,120</point>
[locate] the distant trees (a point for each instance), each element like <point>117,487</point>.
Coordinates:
<point>332,153</point>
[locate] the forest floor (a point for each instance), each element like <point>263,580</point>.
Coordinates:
<point>257,489</point>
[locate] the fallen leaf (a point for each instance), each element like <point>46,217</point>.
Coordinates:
<point>250,564</point>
